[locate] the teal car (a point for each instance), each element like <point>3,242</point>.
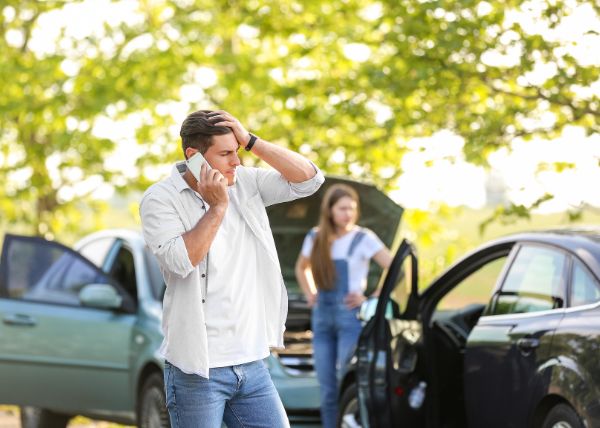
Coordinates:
<point>80,334</point>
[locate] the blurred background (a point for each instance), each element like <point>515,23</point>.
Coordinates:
<point>478,117</point>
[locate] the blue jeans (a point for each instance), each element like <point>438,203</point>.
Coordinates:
<point>335,334</point>
<point>240,396</point>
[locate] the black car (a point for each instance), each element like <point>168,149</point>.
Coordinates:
<point>509,336</point>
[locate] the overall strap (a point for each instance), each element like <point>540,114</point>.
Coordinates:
<point>355,241</point>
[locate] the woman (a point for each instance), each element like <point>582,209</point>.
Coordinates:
<point>332,271</point>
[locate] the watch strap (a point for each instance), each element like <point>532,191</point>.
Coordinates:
<point>251,142</point>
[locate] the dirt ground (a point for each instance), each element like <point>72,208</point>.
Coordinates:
<point>9,418</point>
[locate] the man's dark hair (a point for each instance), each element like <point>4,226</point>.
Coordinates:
<point>197,131</point>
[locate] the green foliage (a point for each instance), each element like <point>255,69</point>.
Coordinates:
<point>512,212</point>
<point>436,238</point>
<point>284,69</point>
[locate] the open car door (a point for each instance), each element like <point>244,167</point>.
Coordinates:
<point>66,329</point>
<point>391,384</point>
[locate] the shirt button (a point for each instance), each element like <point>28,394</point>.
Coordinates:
<point>203,275</point>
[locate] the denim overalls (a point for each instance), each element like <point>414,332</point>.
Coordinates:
<point>335,333</point>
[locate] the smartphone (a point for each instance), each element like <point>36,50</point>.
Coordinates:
<point>194,164</point>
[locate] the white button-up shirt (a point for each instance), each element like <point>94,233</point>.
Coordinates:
<point>170,208</point>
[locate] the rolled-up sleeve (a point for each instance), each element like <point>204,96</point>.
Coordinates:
<point>274,188</point>
<point>162,229</point>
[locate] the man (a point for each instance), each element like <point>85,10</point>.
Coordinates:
<point>225,304</point>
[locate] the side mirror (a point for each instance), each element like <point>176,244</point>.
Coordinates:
<point>100,296</point>
<point>369,307</point>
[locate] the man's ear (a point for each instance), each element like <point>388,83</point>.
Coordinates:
<point>189,152</point>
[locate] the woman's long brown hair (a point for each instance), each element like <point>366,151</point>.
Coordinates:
<point>322,267</point>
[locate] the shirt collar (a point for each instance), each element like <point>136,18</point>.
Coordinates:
<point>177,178</point>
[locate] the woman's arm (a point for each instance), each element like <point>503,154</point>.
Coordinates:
<point>305,279</point>
<point>384,259</point>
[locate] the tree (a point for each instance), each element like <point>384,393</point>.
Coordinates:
<point>52,98</point>
<point>346,83</point>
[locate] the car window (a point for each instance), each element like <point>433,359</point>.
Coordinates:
<point>123,270</point>
<point>47,272</point>
<point>400,293</point>
<point>157,281</point>
<point>477,288</point>
<point>584,287</point>
<point>97,250</point>
<point>535,282</point>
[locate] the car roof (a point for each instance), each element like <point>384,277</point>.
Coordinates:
<point>584,242</point>
<point>132,236</point>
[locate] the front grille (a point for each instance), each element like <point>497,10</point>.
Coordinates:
<point>297,356</point>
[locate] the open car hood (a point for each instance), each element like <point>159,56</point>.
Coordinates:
<point>291,221</point>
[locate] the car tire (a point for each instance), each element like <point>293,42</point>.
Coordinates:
<point>562,416</point>
<point>153,411</point>
<point>34,417</point>
<point>348,416</point>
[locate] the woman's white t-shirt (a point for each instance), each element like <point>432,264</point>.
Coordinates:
<point>358,262</point>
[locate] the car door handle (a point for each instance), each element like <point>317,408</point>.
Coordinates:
<point>19,319</point>
<point>528,343</point>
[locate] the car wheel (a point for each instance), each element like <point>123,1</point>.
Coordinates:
<point>349,417</point>
<point>34,417</point>
<point>153,410</point>
<point>562,416</point>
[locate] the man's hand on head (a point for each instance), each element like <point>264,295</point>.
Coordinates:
<point>222,118</point>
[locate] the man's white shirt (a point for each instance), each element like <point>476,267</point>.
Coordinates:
<point>235,319</point>
<point>169,209</point>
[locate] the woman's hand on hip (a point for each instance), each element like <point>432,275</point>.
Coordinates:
<point>311,299</point>
<point>354,300</point>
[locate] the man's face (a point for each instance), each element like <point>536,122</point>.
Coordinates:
<point>223,156</point>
